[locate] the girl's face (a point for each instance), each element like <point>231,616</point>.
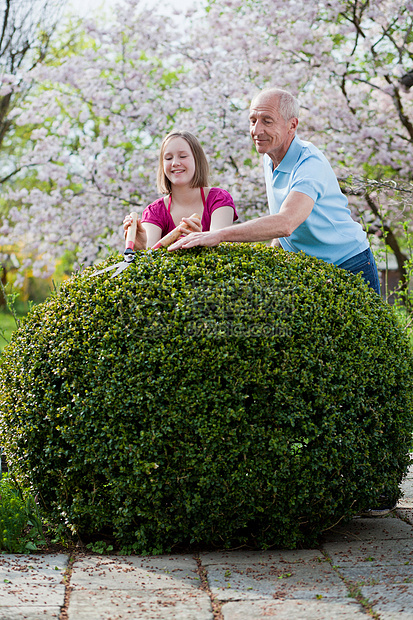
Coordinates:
<point>178,162</point>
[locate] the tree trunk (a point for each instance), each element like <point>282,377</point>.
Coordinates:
<point>3,301</point>
<point>392,242</point>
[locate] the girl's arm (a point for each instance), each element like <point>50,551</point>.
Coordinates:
<point>153,234</point>
<point>221,218</point>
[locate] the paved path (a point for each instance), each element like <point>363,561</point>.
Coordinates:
<point>364,570</point>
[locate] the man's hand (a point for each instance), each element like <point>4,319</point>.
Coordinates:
<point>208,239</point>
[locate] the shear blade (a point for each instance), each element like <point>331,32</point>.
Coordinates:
<point>129,258</point>
<point>121,268</point>
<point>107,269</point>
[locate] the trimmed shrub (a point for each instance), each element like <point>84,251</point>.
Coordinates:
<point>220,396</point>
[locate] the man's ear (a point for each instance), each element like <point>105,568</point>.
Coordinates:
<point>293,123</point>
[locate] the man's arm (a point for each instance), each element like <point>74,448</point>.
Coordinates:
<point>294,211</point>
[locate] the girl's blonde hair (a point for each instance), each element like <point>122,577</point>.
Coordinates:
<point>201,175</point>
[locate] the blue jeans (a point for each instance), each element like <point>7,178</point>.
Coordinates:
<point>364,263</point>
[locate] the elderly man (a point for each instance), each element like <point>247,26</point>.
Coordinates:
<point>308,211</point>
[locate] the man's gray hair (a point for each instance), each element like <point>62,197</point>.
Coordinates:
<point>287,104</point>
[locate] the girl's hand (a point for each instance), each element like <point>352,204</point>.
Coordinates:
<point>194,225</point>
<point>140,239</point>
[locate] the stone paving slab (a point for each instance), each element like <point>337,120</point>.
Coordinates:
<point>28,569</point>
<point>391,602</point>
<point>335,609</point>
<point>407,488</point>
<point>287,574</point>
<point>258,558</point>
<point>134,604</point>
<point>29,613</point>
<point>406,514</point>
<point>385,528</point>
<point>31,586</point>
<point>377,575</point>
<point>113,587</point>
<point>118,572</point>
<point>373,553</point>
<point>130,572</point>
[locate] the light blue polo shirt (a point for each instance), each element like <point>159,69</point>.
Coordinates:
<point>329,232</point>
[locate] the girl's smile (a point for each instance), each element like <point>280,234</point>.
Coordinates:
<point>178,161</point>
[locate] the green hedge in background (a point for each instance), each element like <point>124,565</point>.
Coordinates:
<point>220,396</point>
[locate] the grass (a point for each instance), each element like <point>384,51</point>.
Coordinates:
<point>406,321</point>
<point>7,327</point>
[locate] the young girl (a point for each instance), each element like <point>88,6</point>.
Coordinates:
<point>183,175</point>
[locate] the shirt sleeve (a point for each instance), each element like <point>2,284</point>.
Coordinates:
<point>311,177</point>
<point>217,198</point>
<point>155,214</point>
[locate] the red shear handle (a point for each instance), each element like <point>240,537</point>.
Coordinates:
<point>131,232</point>
<point>174,234</point>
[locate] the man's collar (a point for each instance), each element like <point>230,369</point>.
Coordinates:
<point>288,161</point>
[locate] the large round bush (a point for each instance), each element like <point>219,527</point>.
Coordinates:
<point>217,396</point>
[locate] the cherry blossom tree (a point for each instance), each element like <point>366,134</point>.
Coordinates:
<point>350,64</point>
<point>96,116</point>
<point>26,29</point>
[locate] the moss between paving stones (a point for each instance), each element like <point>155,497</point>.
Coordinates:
<point>215,396</point>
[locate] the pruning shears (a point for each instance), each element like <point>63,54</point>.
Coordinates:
<point>129,253</point>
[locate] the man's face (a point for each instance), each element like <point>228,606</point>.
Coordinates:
<point>270,133</point>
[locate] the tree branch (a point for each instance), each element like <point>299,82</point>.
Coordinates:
<point>391,241</point>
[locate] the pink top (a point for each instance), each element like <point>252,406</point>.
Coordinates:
<point>156,213</point>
